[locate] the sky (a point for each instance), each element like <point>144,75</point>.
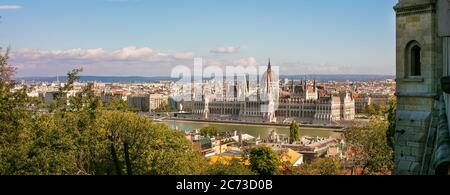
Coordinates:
<point>150,37</point>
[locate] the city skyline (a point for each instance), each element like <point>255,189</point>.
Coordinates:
<point>148,38</point>
<point>224,88</point>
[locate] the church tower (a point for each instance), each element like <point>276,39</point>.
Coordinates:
<point>419,70</point>
<point>270,93</point>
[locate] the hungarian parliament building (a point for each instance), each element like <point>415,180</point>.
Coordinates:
<point>269,102</point>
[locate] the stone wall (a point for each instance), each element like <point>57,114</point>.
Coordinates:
<point>416,23</point>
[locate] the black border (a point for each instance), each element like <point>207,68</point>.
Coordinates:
<point>281,184</point>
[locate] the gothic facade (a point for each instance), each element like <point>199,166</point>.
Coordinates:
<point>422,134</point>
<point>302,104</point>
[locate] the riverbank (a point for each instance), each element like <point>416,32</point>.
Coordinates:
<point>318,127</point>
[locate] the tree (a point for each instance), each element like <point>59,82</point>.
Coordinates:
<point>51,149</point>
<point>80,137</point>
<point>31,143</point>
<point>392,111</point>
<point>294,132</point>
<point>118,105</point>
<point>14,140</point>
<point>320,166</point>
<point>209,131</point>
<point>264,161</point>
<point>368,147</point>
<point>234,167</point>
<point>61,97</point>
<point>377,109</point>
<point>6,71</point>
<point>152,148</point>
<point>116,141</point>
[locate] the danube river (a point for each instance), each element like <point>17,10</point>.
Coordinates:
<point>254,130</point>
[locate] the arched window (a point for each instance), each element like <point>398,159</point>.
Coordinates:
<point>413,65</point>
<point>415,61</point>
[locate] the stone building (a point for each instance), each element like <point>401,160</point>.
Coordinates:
<point>422,134</point>
<point>148,103</point>
<point>347,106</point>
<point>158,102</point>
<point>107,97</point>
<point>301,103</point>
<point>302,90</point>
<point>362,103</point>
<point>381,99</point>
<point>260,109</point>
<point>139,102</point>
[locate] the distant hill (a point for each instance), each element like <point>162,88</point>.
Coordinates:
<point>125,79</point>
<point>339,77</point>
<point>129,79</point>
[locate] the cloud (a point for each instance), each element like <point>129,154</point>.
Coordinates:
<point>10,7</point>
<point>131,53</point>
<point>146,61</point>
<point>250,61</point>
<point>225,50</point>
<point>126,61</point>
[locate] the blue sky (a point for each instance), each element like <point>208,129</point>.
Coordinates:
<point>149,37</point>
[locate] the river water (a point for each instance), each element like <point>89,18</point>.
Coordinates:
<point>253,130</point>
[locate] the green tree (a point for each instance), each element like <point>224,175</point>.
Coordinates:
<point>234,167</point>
<point>51,149</point>
<point>86,99</point>
<point>320,166</point>
<point>14,139</point>
<point>264,161</point>
<point>121,142</point>
<point>78,136</point>
<point>119,105</point>
<point>209,131</point>
<point>30,143</point>
<point>369,148</point>
<point>6,71</point>
<point>78,115</point>
<point>392,111</point>
<point>61,97</point>
<point>377,109</point>
<point>294,133</point>
<point>152,148</point>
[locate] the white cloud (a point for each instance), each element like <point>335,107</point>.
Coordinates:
<point>145,61</point>
<point>126,61</point>
<point>10,6</point>
<point>250,61</point>
<point>225,50</point>
<point>131,53</point>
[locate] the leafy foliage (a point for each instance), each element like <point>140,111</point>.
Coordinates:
<point>378,109</point>
<point>6,70</point>
<point>264,161</point>
<point>79,136</point>
<point>369,147</point>
<point>294,133</point>
<point>209,131</point>
<point>392,122</point>
<point>153,148</point>
<point>234,167</point>
<point>320,166</point>
<point>119,105</point>
<point>14,140</point>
